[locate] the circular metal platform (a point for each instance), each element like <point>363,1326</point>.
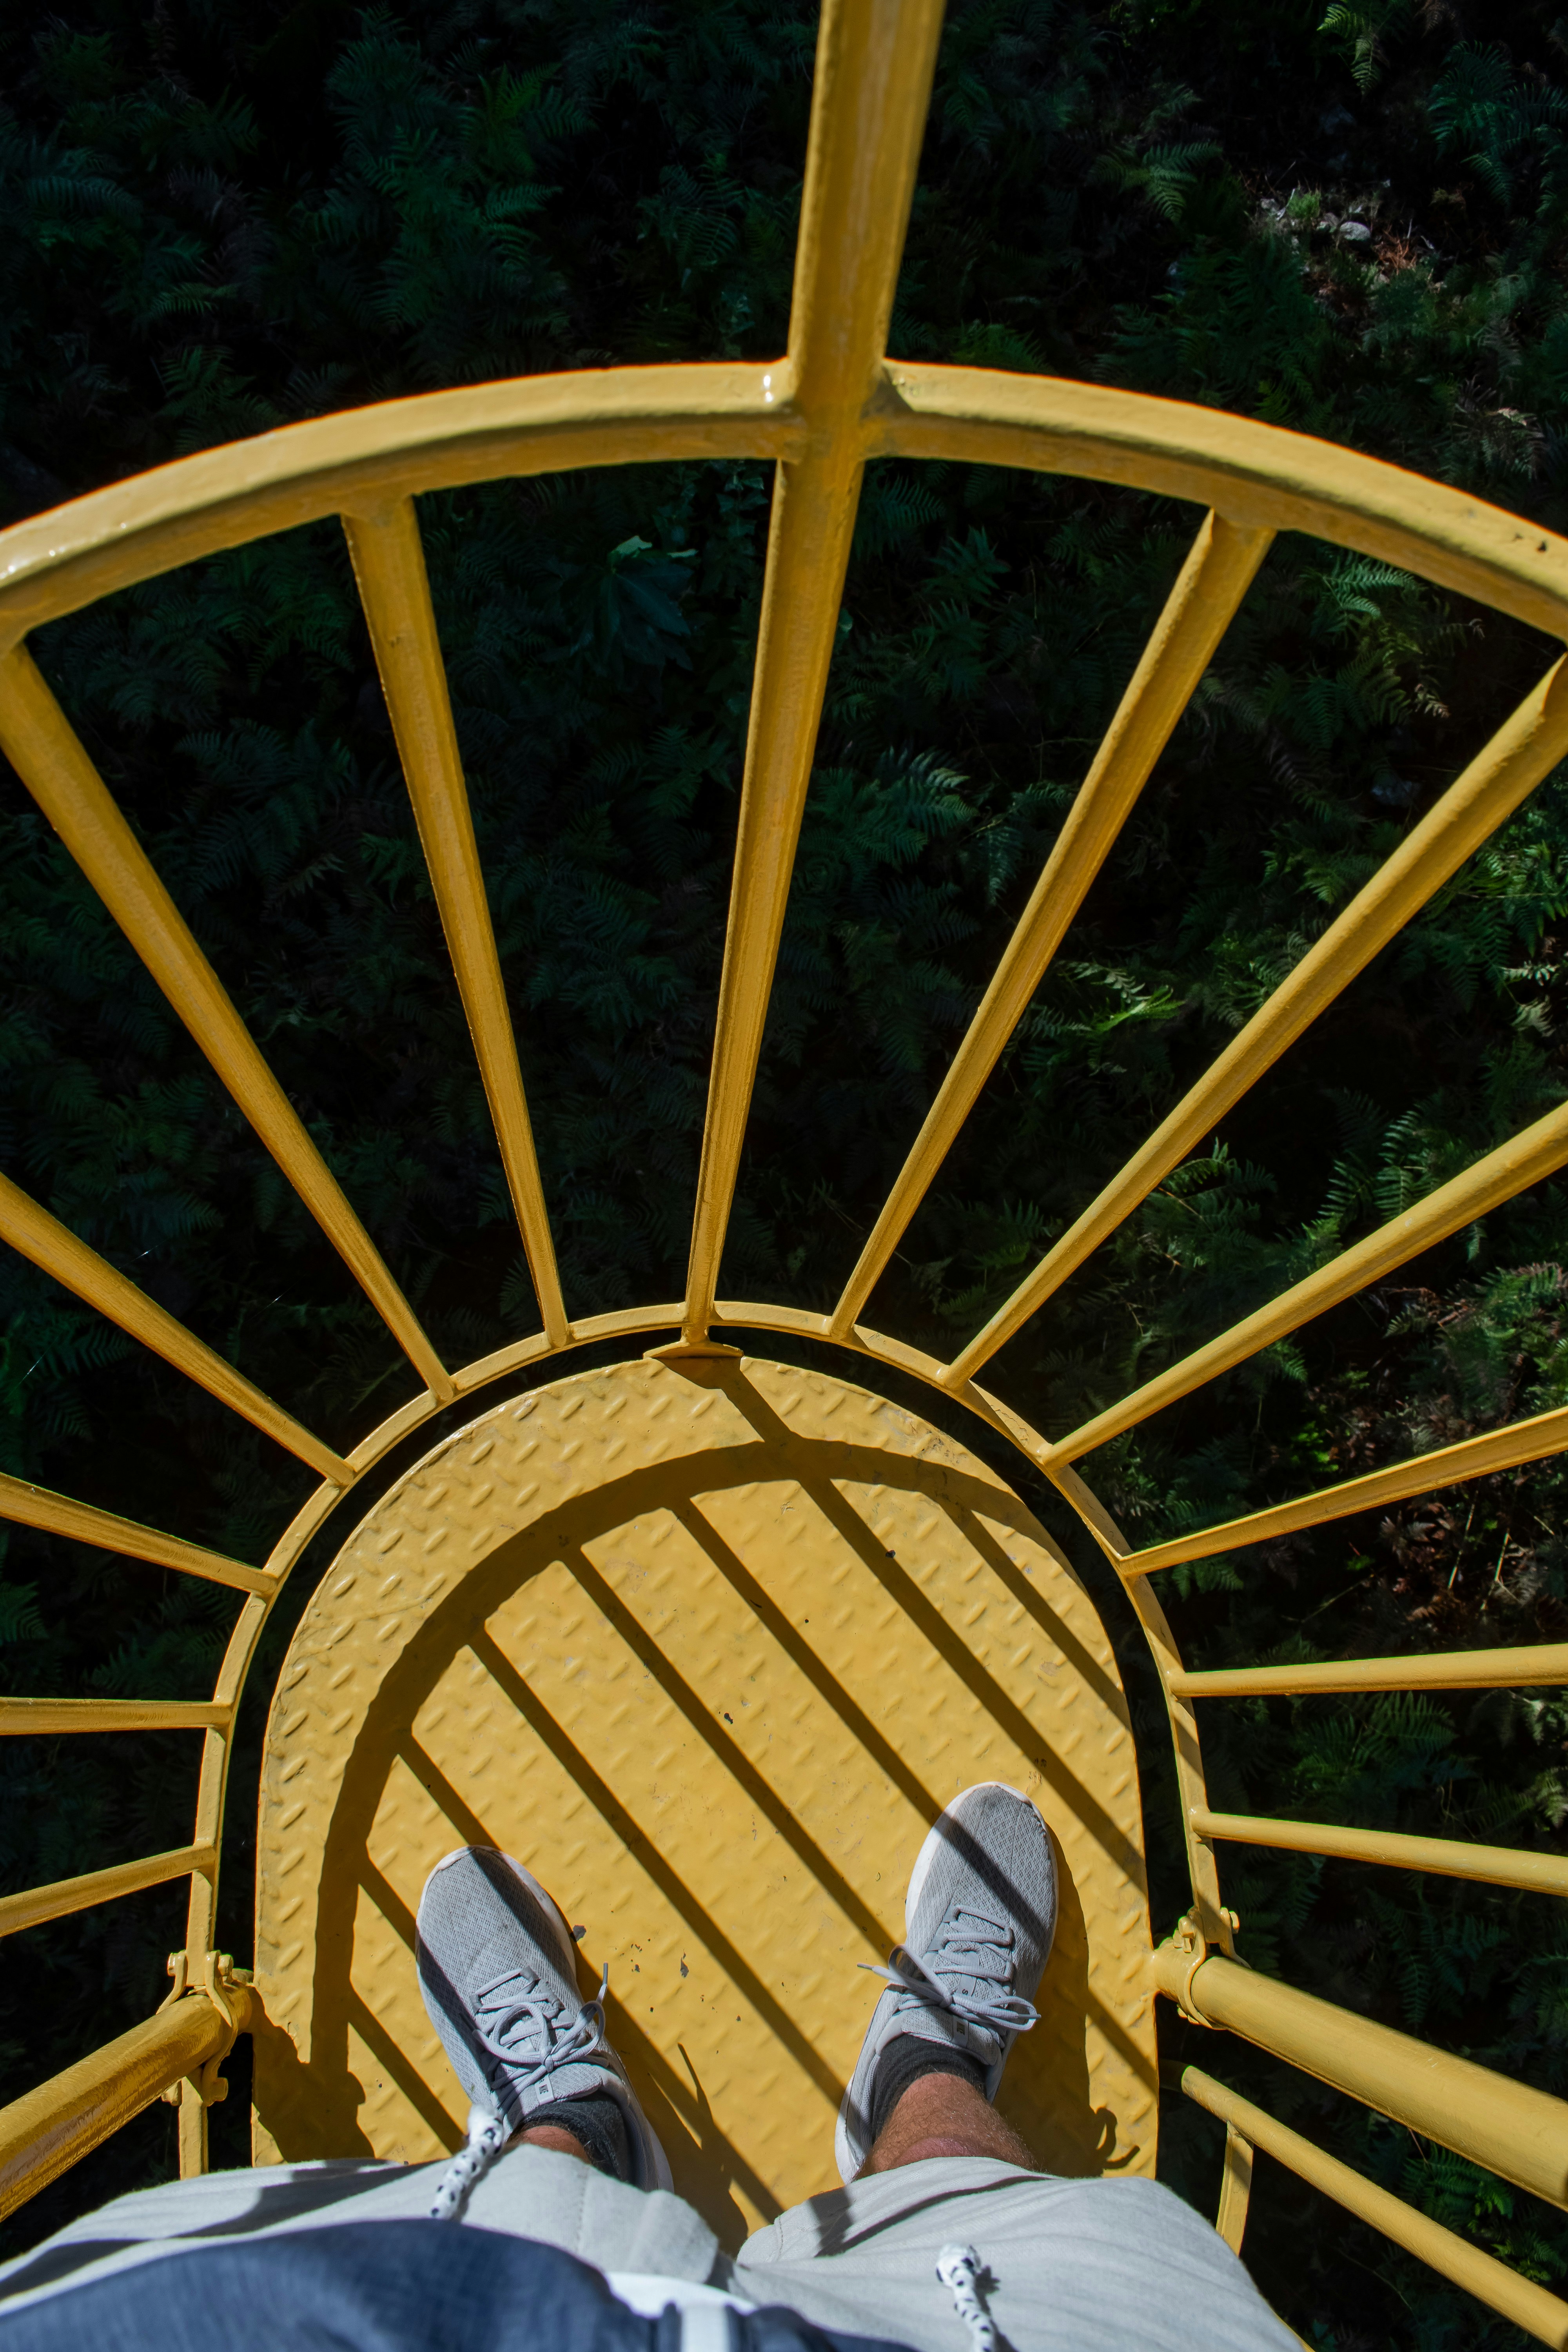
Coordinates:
<point>708,1643</point>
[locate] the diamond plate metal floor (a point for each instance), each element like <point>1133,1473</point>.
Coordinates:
<point>708,1644</point>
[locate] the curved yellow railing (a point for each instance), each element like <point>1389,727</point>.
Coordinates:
<point>832,403</point>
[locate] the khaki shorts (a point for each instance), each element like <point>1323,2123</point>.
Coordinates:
<point>1069,2265</point>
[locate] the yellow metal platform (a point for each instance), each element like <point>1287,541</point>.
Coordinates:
<point>708,1644</point>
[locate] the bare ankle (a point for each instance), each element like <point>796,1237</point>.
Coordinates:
<point>550,2136</point>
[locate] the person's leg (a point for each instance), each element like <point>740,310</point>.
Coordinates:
<point>980,2233</point>
<point>979,1916</point>
<point>498,1970</point>
<point>940,2115</point>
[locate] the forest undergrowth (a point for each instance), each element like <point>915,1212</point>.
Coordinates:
<point>220,218</point>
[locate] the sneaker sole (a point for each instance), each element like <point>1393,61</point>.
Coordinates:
<point>844,2154</point>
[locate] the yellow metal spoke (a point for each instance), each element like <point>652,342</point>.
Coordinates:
<point>389,564</point>
<point>874,65</point>
<point>1424,1473</point>
<point>1495,1865</point>
<point>1525,749</point>
<point>1531,2307</point>
<point>1512,1669</point>
<point>1215,578</point>
<point>1523,1160</point>
<point>19,1716</point>
<point>36,1506</point>
<point>54,1248</point>
<point>41,1903</point>
<point>41,745</point>
<point>1511,2128</point>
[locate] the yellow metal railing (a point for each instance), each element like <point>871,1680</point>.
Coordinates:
<point>830,404</point>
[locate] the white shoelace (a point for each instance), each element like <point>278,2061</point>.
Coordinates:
<point>526,2016</point>
<point>488,2135</point>
<point>957,2267</point>
<point>969,1942</point>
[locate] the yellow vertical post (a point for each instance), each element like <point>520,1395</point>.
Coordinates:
<point>58,1514</point>
<point>1524,1159</point>
<point>1235,2189</point>
<point>201,1920</point>
<point>874,65</point>
<point>1214,1923</point>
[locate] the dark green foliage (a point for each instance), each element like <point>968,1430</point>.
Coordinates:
<point>219,219</point>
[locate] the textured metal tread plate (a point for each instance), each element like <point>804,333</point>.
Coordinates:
<point>707,1645</point>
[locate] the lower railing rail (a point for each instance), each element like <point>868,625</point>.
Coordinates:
<point>1540,2313</point>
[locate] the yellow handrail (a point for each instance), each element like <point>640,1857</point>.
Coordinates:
<point>43,2134</point>
<point>1263,477</point>
<point>1515,2131</point>
<point>57,563</point>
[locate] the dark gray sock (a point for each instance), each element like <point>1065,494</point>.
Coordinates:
<point>904,2060</point>
<point>599,2123</point>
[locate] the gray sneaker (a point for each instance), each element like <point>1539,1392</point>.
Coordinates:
<point>979,1918</point>
<point>498,1969</point>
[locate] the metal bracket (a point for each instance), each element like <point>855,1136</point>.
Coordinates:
<point>218,1978</point>
<point>218,1975</point>
<point>1190,1941</point>
<point>1192,1949</point>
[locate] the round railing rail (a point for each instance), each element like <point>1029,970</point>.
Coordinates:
<point>832,403</point>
